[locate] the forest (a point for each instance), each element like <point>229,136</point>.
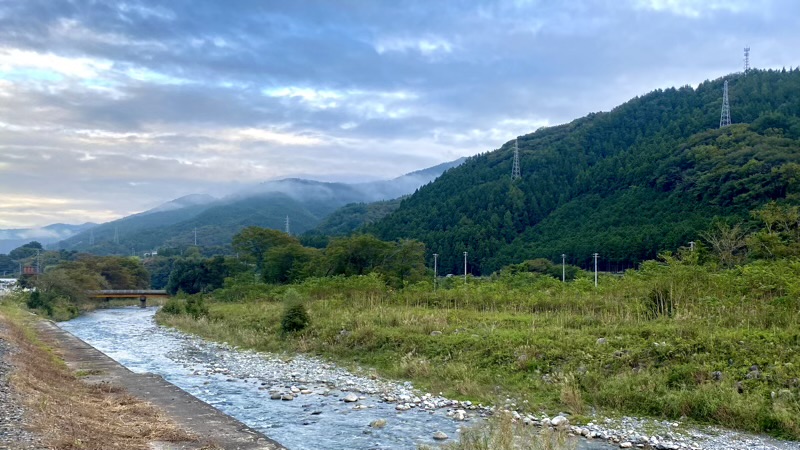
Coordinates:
<point>646,177</point>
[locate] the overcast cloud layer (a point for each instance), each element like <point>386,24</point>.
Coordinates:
<point>111,107</point>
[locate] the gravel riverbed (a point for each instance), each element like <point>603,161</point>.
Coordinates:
<point>298,398</point>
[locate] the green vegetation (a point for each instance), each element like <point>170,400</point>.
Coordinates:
<point>711,334</point>
<point>647,176</point>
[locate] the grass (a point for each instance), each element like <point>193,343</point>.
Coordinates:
<point>679,339</point>
<point>502,433</point>
<point>69,414</point>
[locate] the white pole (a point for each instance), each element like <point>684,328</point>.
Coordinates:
<point>465,267</point>
<point>596,255</point>
<point>563,267</point>
<point>691,246</point>
<point>435,258</point>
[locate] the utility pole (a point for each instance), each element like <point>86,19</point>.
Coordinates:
<point>563,267</point>
<point>287,225</point>
<point>596,256</point>
<point>195,236</point>
<point>746,59</point>
<point>465,267</point>
<point>515,170</point>
<point>725,117</point>
<point>691,246</point>
<point>435,270</point>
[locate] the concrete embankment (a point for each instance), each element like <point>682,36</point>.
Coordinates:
<point>212,428</point>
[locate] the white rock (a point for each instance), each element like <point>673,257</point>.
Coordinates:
<point>625,444</point>
<point>350,398</point>
<point>439,436</point>
<point>559,421</point>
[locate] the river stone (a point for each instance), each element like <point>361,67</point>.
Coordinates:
<point>559,421</point>
<point>350,398</point>
<point>436,333</point>
<point>287,397</point>
<point>380,423</point>
<point>601,341</point>
<point>460,415</point>
<point>439,436</point>
<point>275,396</point>
<point>625,444</point>
<point>306,391</point>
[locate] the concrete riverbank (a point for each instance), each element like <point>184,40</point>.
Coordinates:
<point>212,428</point>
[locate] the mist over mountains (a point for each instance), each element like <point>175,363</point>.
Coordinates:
<point>213,221</point>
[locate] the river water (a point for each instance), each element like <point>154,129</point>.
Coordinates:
<point>239,384</point>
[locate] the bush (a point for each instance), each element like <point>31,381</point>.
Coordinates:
<point>196,307</point>
<point>174,306</point>
<point>295,317</point>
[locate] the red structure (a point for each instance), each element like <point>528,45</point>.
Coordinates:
<point>29,270</point>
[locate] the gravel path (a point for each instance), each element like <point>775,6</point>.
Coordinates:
<point>13,433</point>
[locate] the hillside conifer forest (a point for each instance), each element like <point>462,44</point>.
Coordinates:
<point>648,176</point>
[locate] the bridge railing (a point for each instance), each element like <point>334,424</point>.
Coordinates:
<point>128,292</point>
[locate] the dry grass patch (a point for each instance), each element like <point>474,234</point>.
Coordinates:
<point>70,414</point>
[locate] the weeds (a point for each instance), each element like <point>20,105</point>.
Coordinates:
<point>666,329</point>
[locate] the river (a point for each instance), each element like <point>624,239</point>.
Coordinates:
<point>239,384</point>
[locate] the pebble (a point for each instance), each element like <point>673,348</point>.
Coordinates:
<point>440,436</point>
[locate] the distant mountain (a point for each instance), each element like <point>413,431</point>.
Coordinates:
<point>353,216</point>
<point>13,238</point>
<point>183,202</point>
<point>648,176</point>
<point>215,221</point>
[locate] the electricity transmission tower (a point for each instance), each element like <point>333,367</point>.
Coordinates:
<point>746,60</point>
<point>287,225</point>
<point>725,117</point>
<point>515,171</point>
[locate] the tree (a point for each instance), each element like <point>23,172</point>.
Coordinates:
<point>355,255</point>
<point>26,251</point>
<point>255,242</point>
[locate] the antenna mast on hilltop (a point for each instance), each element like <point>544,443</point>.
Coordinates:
<point>746,60</point>
<point>725,117</point>
<point>515,171</point>
<point>287,225</point>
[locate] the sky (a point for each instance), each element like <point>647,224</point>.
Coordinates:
<point>112,107</point>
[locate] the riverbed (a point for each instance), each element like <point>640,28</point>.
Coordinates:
<point>242,384</point>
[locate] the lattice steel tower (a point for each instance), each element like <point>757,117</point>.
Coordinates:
<point>725,117</point>
<point>287,225</point>
<point>746,60</point>
<point>515,171</point>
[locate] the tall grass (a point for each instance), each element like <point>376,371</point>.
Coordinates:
<point>679,339</point>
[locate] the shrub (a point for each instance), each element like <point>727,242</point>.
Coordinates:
<point>173,306</point>
<point>196,307</point>
<point>295,317</point>
<point>660,303</point>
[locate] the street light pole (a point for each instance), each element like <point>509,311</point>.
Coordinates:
<point>596,256</point>
<point>563,267</point>
<point>435,271</point>
<point>465,267</point>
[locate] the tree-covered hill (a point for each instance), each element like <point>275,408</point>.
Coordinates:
<point>305,202</point>
<point>650,175</point>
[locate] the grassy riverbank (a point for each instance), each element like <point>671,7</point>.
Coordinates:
<point>67,413</point>
<point>672,340</point>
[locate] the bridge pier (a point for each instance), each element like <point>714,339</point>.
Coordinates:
<point>143,302</point>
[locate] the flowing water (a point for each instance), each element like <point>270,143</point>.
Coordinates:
<point>239,384</point>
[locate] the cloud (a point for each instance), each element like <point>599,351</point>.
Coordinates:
<point>131,103</point>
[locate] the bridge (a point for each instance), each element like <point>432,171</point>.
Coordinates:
<point>141,294</point>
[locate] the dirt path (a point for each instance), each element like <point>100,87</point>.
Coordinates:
<point>57,392</point>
